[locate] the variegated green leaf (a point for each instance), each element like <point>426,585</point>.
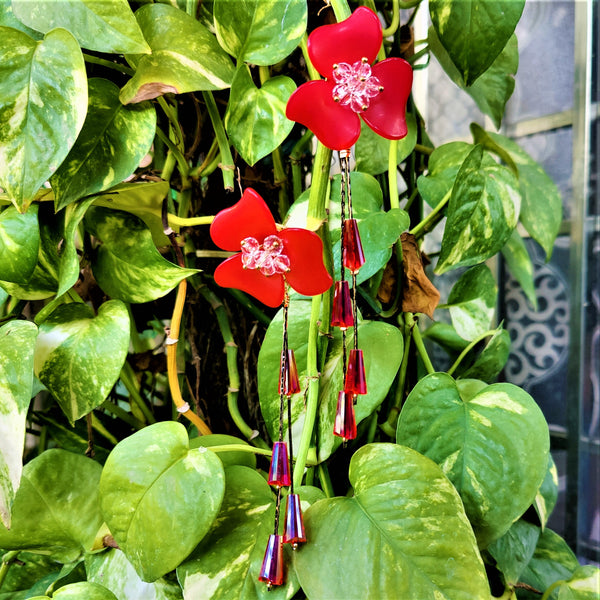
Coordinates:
<point>545,499</point>
<point>8,19</point>
<point>159,497</point>
<point>227,562</point>
<point>255,120</point>
<point>185,56</point>
<point>43,101</point>
<point>127,265</point>
<point>19,243</point>
<point>56,509</point>
<point>69,341</point>
<point>17,340</point>
<point>106,26</point>
<point>115,572</point>
<point>112,142</point>
<point>520,266</point>
<point>261,32</point>
<point>81,589</point>
<point>456,423</point>
<point>403,534</point>
<point>491,360</point>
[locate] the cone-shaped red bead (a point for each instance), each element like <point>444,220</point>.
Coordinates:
<point>294,525</point>
<point>354,257</point>
<point>356,380</point>
<point>271,571</point>
<point>344,425</point>
<point>279,473</point>
<point>341,312</point>
<point>291,383</point>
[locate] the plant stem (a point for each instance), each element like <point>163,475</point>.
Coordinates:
<point>176,221</point>
<point>393,26</point>
<point>317,200</point>
<point>227,165</point>
<point>116,410</point>
<point>468,349</point>
<point>179,157</point>
<point>325,480</point>
<point>424,149</point>
<point>341,9</point>
<point>416,334</point>
<point>130,382</point>
<point>108,64</point>
<point>243,299</point>
<point>393,174</point>
<point>431,220</point>
<point>312,72</point>
<point>549,591</point>
<point>7,561</point>
<point>296,161</point>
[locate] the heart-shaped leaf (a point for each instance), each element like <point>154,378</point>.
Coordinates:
<point>472,302</point>
<point>8,19</point>
<point>69,341</point>
<point>81,589</point>
<point>255,120</point>
<point>584,584</point>
<point>17,340</point>
<point>19,243</point>
<point>456,423</point>
<point>228,458</point>
<point>159,498</point>
<point>185,56</point>
<point>482,213</point>
<point>474,34</point>
<point>127,265</point>
<point>115,572</point>
<point>107,26</point>
<point>43,101</point>
<point>403,534</point>
<point>56,508</point>
<point>112,142</point>
<point>491,360</point>
<point>226,564</point>
<point>261,32</point>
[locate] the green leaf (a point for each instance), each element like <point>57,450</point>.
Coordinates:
<point>456,423</point>
<point>383,348</point>
<point>17,340</point>
<point>159,498</point>
<point>541,207</point>
<point>493,88</point>
<point>8,19</point>
<point>43,101</point>
<point>261,32</point>
<point>107,26</point>
<point>84,589</point>
<point>474,32</point>
<point>492,359</point>
<point>43,570</point>
<point>547,496</point>
<point>112,142</point>
<point>584,584</point>
<point>255,120</point>
<point>226,564</point>
<point>445,335</point>
<point>228,458</point>
<point>19,243</point>
<point>372,150</point>
<point>56,509</point>
<point>116,573</point>
<point>143,200</point>
<point>127,265</point>
<point>482,213</point>
<point>403,534</point>
<point>69,341</point>
<point>186,56</point>
<point>513,551</point>
<point>520,266</point>
<point>472,302</point>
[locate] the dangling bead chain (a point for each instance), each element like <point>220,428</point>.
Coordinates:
<point>345,188</point>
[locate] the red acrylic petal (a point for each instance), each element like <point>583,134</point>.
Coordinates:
<point>268,290</point>
<point>312,104</point>
<point>307,274</point>
<point>249,217</point>
<point>386,114</point>
<point>350,40</point>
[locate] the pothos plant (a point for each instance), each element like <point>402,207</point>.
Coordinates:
<point>125,127</point>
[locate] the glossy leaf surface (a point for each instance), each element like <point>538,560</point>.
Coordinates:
<point>488,364</point>
<point>261,32</point>
<point>19,243</point>
<point>69,341</point>
<point>17,340</point>
<point>112,142</point>
<point>127,265</point>
<point>547,495</point>
<point>403,534</point>
<point>256,121</point>
<point>226,564</point>
<point>519,264</point>
<point>43,101</point>
<point>185,56</point>
<point>228,458</point>
<point>159,497</point>
<point>84,589</point>
<point>456,423</point>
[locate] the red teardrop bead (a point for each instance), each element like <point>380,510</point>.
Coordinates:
<point>356,380</point>
<point>291,383</point>
<point>344,425</point>
<point>271,571</point>
<point>294,525</point>
<point>279,473</point>
<point>341,312</point>
<point>353,255</point>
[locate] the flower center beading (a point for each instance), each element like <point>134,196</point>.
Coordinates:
<point>267,257</point>
<point>355,85</point>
